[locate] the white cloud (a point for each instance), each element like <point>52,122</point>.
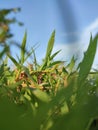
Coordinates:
<point>67,51</point>
<point>70,49</point>
<point>91,29</point>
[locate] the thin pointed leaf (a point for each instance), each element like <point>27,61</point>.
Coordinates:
<point>2,53</point>
<point>35,61</point>
<point>51,58</point>
<point>88,59</point>
<point>32,51</point>
<point>29,54</point>
<point>18,59</point>
<point>50,45</point>
<point>49,50</point>
<point>23,48</point>
<point>71,65</point>
<point>55,63</point>
<point>14,61</point>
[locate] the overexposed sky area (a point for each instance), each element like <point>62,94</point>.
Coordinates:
<point>73,20</point>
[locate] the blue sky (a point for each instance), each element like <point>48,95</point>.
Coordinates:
<point>73,21</point>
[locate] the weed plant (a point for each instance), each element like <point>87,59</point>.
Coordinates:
<point>49,96</point>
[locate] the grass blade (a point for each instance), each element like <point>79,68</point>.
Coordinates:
<point>50,45</point>
<point>71,65</point>
<point>49,50</point>
<point>56,63</point>
<point>23,48</point>
<point>86,64</point>
<point>51,58</point>
<point>14,61</point>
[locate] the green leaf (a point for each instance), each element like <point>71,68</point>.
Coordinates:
<point>56,63</point>
<point>14,85</point>
<point>86,64</point>
<point>3,52</point>
<point>49,50</point>
<point>29,54</point>
<point>42,96</point>
<point>14,61</point>
<point>5,12</point>
<point>79,117</point>
<point>50,45</point>
<point>71,65</point>
<point>23,47</point>
<point>51,58</point>
<point>13,117</point>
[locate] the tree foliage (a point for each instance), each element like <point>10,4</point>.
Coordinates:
<point>5,22</point>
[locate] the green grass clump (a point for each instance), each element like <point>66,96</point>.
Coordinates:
<point>49,96</point>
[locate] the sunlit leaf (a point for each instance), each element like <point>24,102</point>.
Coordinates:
<point>86,64</point>
<point>71,65</point>
<point>49,50</point>
<point>51,58</point>
<point>23,48</point>
<point>41,95</point>
<point>14,61</point>
<point>50,45</point>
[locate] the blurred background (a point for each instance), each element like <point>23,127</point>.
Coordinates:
<point>73,20</point>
